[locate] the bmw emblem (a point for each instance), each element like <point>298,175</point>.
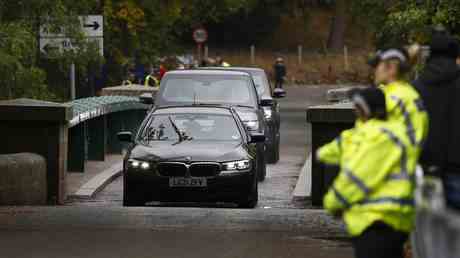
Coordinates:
<point>188,159</point>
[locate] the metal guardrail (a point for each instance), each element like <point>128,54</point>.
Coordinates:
<point>95,123</point>
<point>437,230</point>
<point>88,108</point>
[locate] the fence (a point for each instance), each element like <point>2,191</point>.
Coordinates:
<point>304,66</point>
<point>94,126</point>
<point>437,231</point>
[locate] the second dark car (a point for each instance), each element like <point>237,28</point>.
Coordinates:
<point>228,88</point>
<point>271,108</point>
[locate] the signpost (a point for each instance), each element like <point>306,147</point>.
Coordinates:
<point>200,35</point>
<point>51,42</point>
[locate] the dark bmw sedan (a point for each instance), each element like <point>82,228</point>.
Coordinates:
<point>191,154</point>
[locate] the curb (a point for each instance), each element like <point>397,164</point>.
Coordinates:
<point>302,190</point>
<point>98,183</point>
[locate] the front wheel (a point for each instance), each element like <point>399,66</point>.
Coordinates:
<point>251,201</point>
<point>133,203</point>
<point>130,200</point>
<point>261,164</point>
<point>273,153</point>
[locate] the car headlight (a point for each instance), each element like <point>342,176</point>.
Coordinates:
<point>268,113</point>
<point>252,125</point>
<point>137,164</point>
<point>236,166</point>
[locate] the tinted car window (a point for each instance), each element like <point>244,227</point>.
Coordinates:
<point>196,127</point>
<point>261,82</point>
<point>207,89</point>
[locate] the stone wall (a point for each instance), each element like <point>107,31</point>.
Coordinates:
<point>132,90</point>
<point>38,127</point>
<point>23,179</point>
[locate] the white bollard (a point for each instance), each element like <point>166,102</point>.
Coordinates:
<point>253,55</point>
<point>299,54</point>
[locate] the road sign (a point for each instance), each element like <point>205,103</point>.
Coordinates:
<point>48,46</point>
<point>53,45</point>
<point>91,26</point>
<point>200,35</point>
<point>57,41</point>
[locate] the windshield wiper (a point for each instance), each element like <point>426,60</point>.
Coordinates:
<point>246,106</point>
<point>176,129</point>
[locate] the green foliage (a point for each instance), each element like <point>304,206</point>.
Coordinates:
<point>19,77</point>
<point>20,72</point>
<point>404,21</point>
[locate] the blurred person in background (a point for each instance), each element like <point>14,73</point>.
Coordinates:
<point>151,79</point>
<point>279,69</point>
<point>162,71</point>
<point>130,77</point>
<point>439,86</point>
<point>220,62</point>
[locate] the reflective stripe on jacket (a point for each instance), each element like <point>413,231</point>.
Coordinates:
<point>147,81</point>
<point>375,181</point>
<point>405,105</point>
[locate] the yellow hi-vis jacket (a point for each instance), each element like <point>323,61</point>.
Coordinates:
<point>375,182</point>
<point>404,105</point>
<point>153,78</point>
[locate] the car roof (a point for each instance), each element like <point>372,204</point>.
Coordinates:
<point>214,110</point>
<point>206,72</point>
<point>234,68</point>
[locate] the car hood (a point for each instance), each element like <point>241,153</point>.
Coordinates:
<point>190,151</point>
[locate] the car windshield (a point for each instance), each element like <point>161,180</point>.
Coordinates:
<point>261,81</point>
<point>190,127</point>
<point>207,89</point>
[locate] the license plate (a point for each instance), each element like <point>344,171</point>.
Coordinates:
<point>187,182</point>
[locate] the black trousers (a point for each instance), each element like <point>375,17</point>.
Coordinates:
<point>279,83</point>
<point>380,241</point>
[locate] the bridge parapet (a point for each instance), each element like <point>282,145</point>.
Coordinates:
<point>94,126</point>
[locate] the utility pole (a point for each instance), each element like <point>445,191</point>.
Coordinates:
<point>72,81</point>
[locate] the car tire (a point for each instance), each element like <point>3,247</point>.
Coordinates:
<point>132,201</point>
<point>277,148</point>
<point>250,201</point>
<point>261,167</point>
<point>273,153</point>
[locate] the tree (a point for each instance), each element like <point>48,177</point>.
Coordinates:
<point>338,26</point>
<point>21,72</point>
<point>403,21</point>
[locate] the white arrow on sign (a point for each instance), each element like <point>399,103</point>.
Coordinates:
<point>52,45</point>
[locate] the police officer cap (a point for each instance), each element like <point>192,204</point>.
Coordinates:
<point>391,53</point>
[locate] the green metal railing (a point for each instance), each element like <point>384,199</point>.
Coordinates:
<point>95,124</point>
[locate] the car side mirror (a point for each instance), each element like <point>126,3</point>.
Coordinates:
<point>146,98</point>
<point>257,137</point>
<point>125,136</point>
<point>267,102</point>
<point>279,93</point>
